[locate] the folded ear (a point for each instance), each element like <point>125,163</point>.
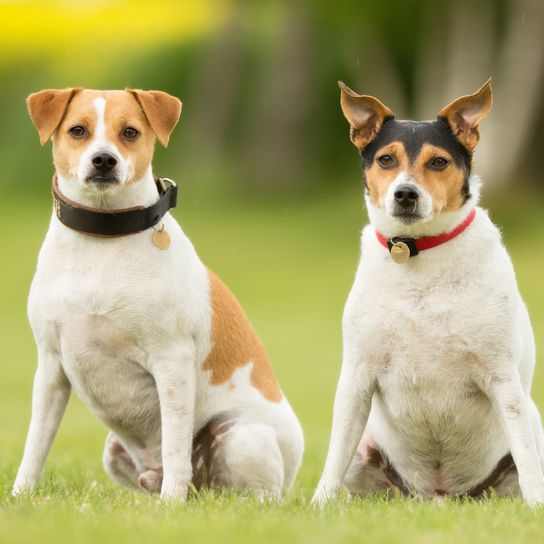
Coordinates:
<point>47,108</point>
<point>161,110</point>
<point>365,114</point>
<point>465,114</point>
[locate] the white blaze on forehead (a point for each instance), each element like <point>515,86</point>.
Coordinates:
<point>100,140</point>
<point>100,108</point>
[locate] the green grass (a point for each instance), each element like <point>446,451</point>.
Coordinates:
<point>291,265</point>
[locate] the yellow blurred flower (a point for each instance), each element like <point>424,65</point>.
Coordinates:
<point>67,30</point>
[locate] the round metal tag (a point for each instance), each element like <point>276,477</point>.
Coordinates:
<point>161,238</point>
<point>400,252</point>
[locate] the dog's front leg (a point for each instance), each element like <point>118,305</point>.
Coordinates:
<point>50,395</point>
<point>175,380</point>
<point>351,409</point>
<point>513,405</point>
<point>537,430</point>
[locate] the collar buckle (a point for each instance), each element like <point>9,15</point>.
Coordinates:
<point>162,182</point>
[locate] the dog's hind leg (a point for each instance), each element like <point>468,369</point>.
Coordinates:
<point>118,463</point>
<point>237,455</point>
<point>371,472</point>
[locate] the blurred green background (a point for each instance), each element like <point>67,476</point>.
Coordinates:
<point>271,188</point>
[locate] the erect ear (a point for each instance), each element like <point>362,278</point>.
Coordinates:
<point>162,111</point>
<point>365,115</point>
<point>465,114</point>
<point>47,108</point>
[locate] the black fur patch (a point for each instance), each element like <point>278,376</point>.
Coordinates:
<point>413,134</point>
<point>504,468</point>
<point>205,445</point>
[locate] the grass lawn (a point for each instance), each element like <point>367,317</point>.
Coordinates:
<point>291,265</point>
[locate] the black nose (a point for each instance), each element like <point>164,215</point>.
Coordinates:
<point>406,195</point>
<point>104,162</point>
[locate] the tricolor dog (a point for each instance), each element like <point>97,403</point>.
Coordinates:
<point>124,312</point>
<point>433,398</point>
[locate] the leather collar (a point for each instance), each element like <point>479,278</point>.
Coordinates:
<point>119,222</point>
<point>416,245</point>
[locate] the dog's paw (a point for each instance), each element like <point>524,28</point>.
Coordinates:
<point>323,495</point>
<point>533,494</point>
<point>21,487</point>
<point>17,491</point>
<point>175,492</point>
<point>534,498</point>
<point>535,502</point>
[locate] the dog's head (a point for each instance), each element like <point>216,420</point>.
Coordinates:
<point>415,171</point>
<point>103,139</point>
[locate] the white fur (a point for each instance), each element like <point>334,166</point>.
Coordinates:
<point>438,362</point>
<point>127,326</point>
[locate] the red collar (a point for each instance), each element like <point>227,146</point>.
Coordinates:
<point>426,242</point>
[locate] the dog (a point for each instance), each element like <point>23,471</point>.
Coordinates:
<point>124,312</point>
<point>433,398</point>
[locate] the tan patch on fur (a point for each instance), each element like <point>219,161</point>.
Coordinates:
<point>67,150</point>
<point>236,344</point>
<point>121,111</point>
<point>378,179</point>
<point>444,186</point>
<point>514,407</point>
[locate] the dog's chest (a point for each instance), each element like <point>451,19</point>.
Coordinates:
<point>426,358</point>
<point>107,311</point>
<point>428,339</point>
<point>431,322</point>
<point>106,366</point>
<point>429,334</point>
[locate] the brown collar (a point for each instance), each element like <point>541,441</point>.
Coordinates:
<point>101,222</point>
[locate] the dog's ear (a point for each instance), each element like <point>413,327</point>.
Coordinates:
<point>162,111</point>
<point>365,114</point>
<point>47,108</point>
<point>465,114</point>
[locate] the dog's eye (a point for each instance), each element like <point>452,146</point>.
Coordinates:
<point>439,163</point>
<point>130,133</point>
<point>387,161</point>
<point>78,132</point>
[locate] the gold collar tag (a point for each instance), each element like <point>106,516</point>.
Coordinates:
<point>161,238</point>
<point>400,252</point>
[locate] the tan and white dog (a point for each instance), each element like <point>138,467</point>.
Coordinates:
<point>433,398</point>
<point>152,341</point>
